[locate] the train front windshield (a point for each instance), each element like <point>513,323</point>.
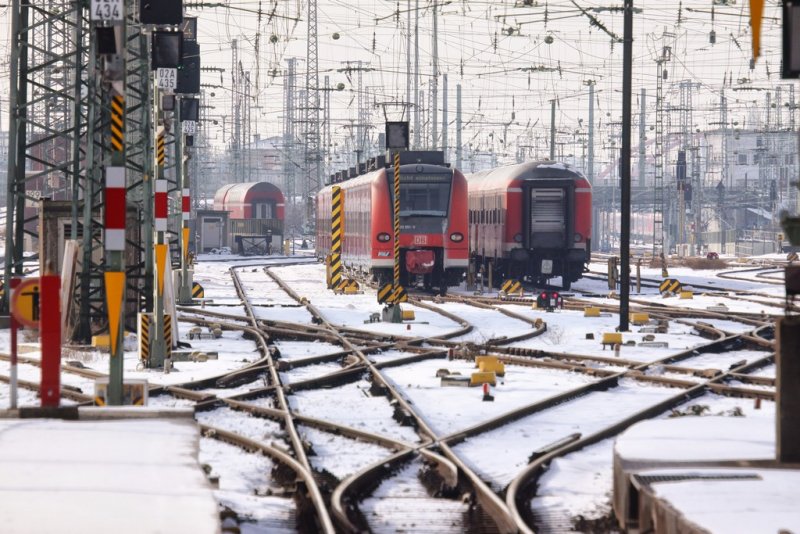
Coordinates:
<point>424,195</point>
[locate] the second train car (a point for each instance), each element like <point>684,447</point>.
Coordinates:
<point>433,221</point>
<point>532,221</point>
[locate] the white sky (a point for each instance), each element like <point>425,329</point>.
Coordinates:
<point>471,35</point>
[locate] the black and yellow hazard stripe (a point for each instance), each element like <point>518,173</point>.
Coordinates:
<point>161,150</point>
<point>337,209</point>
<point>347,285</point>
<point>396,278</point>
<point>117,123</point>
<point>670,285</point>
<point>144,337</point>
<point>168,335</point>
<point>197,291</point>
<point>511,286</point>
<point>399,295</point>
<point>385,293</point>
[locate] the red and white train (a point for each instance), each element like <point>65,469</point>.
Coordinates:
<point>433,221</point>
<point>532,221</point>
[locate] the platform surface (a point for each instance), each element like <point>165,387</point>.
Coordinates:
<point>692,466</point>
<point>129,475</point>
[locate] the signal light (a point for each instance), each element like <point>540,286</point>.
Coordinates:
<point>549,301</point>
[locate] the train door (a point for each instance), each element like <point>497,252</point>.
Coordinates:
<point>212,233</point>
<point>549,205</point>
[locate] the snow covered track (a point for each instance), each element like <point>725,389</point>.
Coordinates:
<point>358,411</point>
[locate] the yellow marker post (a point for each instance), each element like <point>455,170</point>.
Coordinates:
<point>185,244</point>
<point>115,296</point>
<point>161,263</point>
<point>337,228</point>
<point>756,12</point>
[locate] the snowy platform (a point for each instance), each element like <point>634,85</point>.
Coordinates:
<point>703,474</point>
<point>123,475</point>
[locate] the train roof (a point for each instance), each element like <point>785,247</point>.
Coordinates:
<point>246,192</point>
<point>502,177</point>
<point>407,167</point>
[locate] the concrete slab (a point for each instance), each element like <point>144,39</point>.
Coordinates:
<point>126,475</point>
<point>727,456</point>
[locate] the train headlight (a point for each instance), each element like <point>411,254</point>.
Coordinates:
<point>518,238</point>
<point>578,237</point>
<point>383,237</point>
<point>457,237</point>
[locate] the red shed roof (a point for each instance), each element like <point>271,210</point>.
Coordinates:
<point>230,194</point>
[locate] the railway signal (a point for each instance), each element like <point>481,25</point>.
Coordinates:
<point>397,140</point>
<point>549,300</point>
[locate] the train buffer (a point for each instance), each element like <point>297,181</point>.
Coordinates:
<point>611,339</point>
<point>512,287</point>
<point>347,287</point>
<point>670,286</point>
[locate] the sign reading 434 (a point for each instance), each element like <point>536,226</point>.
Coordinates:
<point>113,10</point>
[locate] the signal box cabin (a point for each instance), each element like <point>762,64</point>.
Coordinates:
<point>255,220</point>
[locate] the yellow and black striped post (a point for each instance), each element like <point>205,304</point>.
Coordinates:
<point>337,207</point>
<point>117,123</point>
<point>161,152</point>
<point>396,278</point>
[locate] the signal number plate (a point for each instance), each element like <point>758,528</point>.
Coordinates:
<point>167,79</point>
<point>107,10</point>
<point>547,266</point>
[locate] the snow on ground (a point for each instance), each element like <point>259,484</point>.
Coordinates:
<point>341,456</point>
<point>703,277</point>
<point>488,324</point>
<point>513,444</point>
<point>451,409</point>
<point>581,483</point>
<point>245,485</point>
<point>702,302</point>
<point>25,397</point>
<point>262,290</point>
<point>33,373</point>
<point>234,351</point>
<point>388,355</point>
<point>698,438</point>
<point>722,361</point>
<point>307,372</point>
<point>299,350</point>
<point>352,405</point>
<point>402,504</point>
<point>287,314</point>
<point>567,329</point>
<point>352,310</point>
<point>769,371</point>
<point>260,429</point>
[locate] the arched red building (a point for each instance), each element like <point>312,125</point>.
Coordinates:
<point>255,216</point>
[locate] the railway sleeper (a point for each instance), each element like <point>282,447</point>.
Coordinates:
<point>402,416</point>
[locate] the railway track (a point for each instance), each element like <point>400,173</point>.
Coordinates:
<point>408,465</point>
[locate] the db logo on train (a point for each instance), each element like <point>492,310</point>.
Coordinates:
<point>421,239</point>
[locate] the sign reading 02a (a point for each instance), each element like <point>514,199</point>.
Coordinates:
<point>25,303</point>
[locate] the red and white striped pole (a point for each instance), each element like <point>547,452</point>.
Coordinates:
<point>161,206</point>
<point>186,205</point>
<point>115,208</point>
